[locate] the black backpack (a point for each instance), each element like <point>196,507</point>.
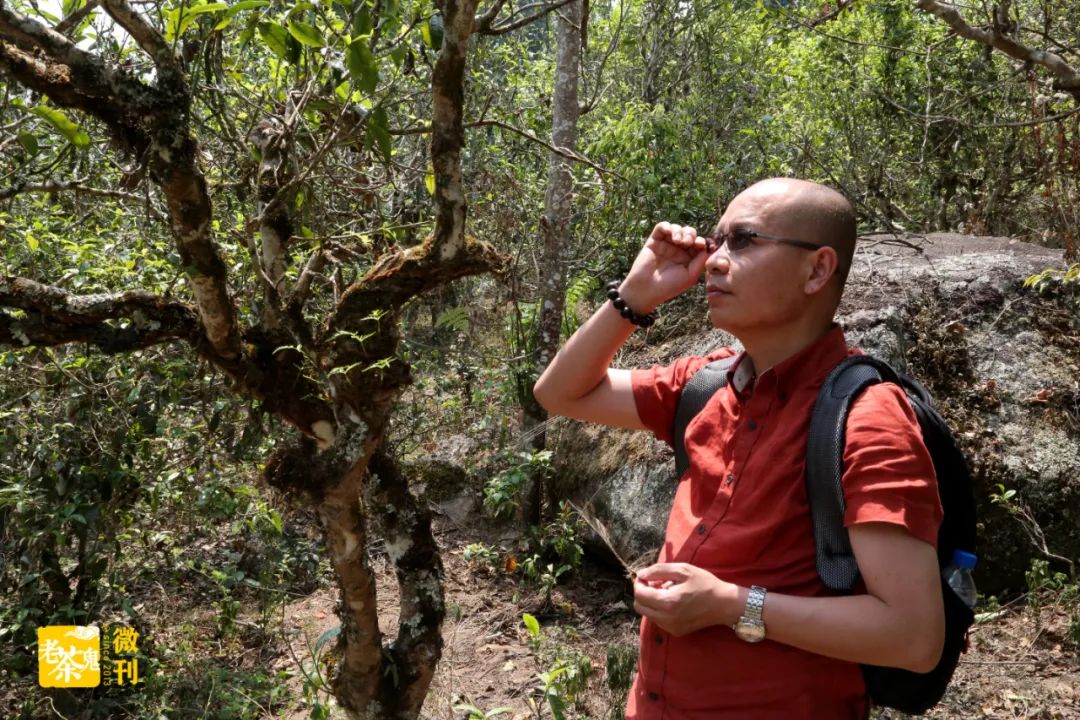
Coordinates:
<point>907,691</point>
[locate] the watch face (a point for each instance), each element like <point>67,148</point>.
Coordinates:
<point>750,632</point>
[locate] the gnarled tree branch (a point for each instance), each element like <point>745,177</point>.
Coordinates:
<point>112,322</point>
<point>1067,77</point>
<point>75,186</point>
<point>48,62</point>
<point>28,34</point>
<point>151,122</point>
<point>511,25</point>
<point>831,15</point>
<point>447,126</point>
<point>145,34</point>
<point>76,17</point>
<point>483,21</point>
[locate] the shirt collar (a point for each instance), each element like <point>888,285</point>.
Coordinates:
<point>811,363</point>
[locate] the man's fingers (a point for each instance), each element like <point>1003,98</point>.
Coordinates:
<point>696,266</point>
<point>683,236</point>
<point>655,599</point>
<point>660,572</point>
<point>653,613</point>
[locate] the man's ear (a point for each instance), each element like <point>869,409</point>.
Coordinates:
<point>822,268</point>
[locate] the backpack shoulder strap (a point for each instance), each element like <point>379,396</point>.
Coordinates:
<point>695,395</point>
<point>825,465</point>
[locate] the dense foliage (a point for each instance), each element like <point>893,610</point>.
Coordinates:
<point>312,122</point>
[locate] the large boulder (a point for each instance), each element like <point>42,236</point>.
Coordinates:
<point>1002,361</point>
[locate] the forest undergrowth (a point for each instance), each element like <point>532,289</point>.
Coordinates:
<point>235,602</point>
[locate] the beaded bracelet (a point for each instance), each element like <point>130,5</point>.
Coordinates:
<point>620,305</point>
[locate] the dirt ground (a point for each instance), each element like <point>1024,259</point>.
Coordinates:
<point>1020,664</point>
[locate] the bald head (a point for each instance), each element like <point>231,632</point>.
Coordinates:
<point>808,211</point>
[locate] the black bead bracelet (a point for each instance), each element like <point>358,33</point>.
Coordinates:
<point>620,305</point>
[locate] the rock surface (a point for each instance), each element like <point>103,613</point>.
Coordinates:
<point>1002,362</point>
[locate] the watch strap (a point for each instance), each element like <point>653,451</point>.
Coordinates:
<point>755,603</point>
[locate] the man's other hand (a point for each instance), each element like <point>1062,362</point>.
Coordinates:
<point>671,261</point>
<point>682,598</point>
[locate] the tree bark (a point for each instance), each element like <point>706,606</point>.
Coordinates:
<point>555,226</point>
<point>53,316</point>
<point>275,226</point>
<point>337,385</point>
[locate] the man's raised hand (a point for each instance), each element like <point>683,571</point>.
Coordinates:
<point>669,264</point>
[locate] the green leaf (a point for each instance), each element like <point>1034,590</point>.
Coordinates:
<point>362,22</point>
<point>379,133</point>
<point>31,241</point>
<point>455,318</point>
<point>306,34</point>
<point>238,8</point>
<point>246,5</point>
<point>429,181</point>
<point>327,637</point>
<point>558,706</point>
<point>280,42</point>
<point>202,10</point>
<point>29,143</point>
<point>63,124</point>
<point>987,617</point>
<point>532,625</point>
<point>398,54</point>
<point>434,35</point>
<point>178,20</point>
<point>274,37</point>
<point>363,67</point>
<point>343,91</point>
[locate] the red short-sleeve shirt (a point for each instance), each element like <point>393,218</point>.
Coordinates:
<point>741,512</point>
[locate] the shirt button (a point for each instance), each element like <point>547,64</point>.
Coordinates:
<point>729,479</point>
<point>654,696</point>
<point>659,639</point>
<point>701,529</point>
<point>752,425</point>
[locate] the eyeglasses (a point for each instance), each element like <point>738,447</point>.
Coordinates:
<point>742,238</point>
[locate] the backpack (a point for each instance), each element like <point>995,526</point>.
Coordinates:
<point>907,691</point>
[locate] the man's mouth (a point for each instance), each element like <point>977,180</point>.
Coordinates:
<point>715,290</point>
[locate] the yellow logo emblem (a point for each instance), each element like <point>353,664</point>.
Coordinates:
<point>69,656</point>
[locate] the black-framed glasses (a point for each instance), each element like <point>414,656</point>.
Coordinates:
<point>742,238</point>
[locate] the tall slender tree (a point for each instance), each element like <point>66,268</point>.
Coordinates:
<point>555,223</point>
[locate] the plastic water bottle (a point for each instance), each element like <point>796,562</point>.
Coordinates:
<point>958,576</point>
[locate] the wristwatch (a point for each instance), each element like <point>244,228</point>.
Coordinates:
<point>751,627</point>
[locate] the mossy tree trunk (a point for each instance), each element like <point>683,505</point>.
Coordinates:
<point>335,381</point>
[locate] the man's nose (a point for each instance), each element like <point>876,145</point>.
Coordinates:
<point>718,262</point>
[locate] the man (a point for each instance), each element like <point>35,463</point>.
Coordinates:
<point>739,539</point>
